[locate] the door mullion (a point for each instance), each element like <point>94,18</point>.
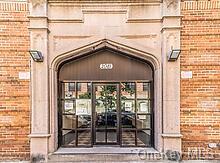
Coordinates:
<point>106,118</point>
<point>93,132</point>
<point>118,112</point>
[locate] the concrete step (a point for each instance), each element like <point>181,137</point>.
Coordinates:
<point>102,154</point>
<point>114,158</point>
<point>97,158</point>
<point>106,154</point>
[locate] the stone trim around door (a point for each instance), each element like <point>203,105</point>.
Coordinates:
<point>45,145</point>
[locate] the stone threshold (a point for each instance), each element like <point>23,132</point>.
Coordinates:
<point>105,150</point>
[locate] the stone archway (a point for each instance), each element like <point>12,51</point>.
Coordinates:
<point>149,57</point>
<point>106,69</point>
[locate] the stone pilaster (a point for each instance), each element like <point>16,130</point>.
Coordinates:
<point>171,76</point>
<point>39,81</point>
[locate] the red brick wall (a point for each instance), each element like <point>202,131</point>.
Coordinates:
<point>14,93</point>
<point>200,96</point>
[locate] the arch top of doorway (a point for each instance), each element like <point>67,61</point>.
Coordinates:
<point>134,50</point>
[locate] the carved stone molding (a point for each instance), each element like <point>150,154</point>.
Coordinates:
<point>36,3</point>
<point>38,39</point>
<point>150,36</point>
<point>172,40</point>
<point>139,20</point>
<point>171,3</point>
<point>172,7</point>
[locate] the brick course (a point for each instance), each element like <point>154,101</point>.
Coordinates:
<point>14,93</point>
<point>200,96</point>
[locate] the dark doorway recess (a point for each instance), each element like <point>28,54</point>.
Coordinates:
<point>106,98</point>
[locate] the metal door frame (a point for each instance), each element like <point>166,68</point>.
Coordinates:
<point>119,125</point>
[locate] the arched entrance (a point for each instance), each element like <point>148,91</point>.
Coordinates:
<point>105,98</point>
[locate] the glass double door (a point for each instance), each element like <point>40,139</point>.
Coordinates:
<point>106,114</point>
<point>94,113</point>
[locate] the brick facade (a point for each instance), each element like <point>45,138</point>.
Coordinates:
<point>14,93</point>
<point>200,96</point>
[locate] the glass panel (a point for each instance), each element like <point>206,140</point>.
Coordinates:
<point>89,87</point>
<point>107,94</point>
<point>84,121</point>
<point>111,136</point>
<point>82,91</point>
<point>128,138</point>
<point>128,120</point>
<point>143,106</point>
<point>69,106</point>
<point>84,138</point>
<point>111,119</point>
<point>69,137</point>
<point>100,135</point>
<point>98,91</point>
<point>143,90</point>
<point>100,114</point>
<point>78,86</point>
<point>143,137</point>
<point>127,106</point>
<point>143,121</point>
<point>69,121</point>
<point>71,86</point>
<point>127,91</point>
<point>69,90</point>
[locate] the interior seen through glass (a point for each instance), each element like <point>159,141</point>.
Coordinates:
<point>106,114</point>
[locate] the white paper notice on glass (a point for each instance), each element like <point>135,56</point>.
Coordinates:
<point>82,111</point>
<point>143,107</point>
<point>83,107</point>
<point>68,105</point>
<point>128,106</point>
